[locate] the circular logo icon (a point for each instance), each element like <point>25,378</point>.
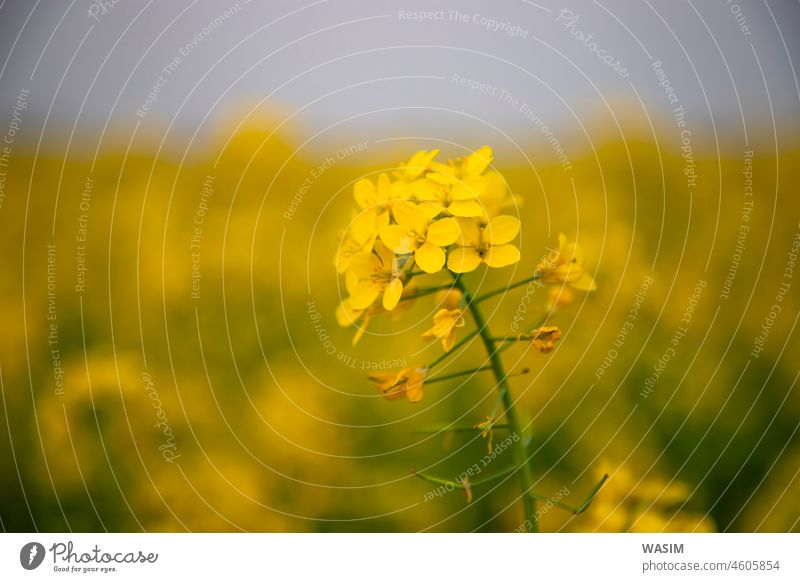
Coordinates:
<point>31,555</point>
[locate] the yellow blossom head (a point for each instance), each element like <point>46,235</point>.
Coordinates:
<point>565,265</point>
<point>445,322</point>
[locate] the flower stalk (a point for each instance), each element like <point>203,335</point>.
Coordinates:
<point>518,451</point>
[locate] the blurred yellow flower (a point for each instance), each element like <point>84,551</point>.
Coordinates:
<point>360,236</point>
<point>445,322</point>
<point>405,383</point>
<point>415,233</point>
<point>373,274</point>
<point>417,165</point>
<point>559,298</point>
<point>565,265</point>
<point>488,244</point>
<point>370,197</point>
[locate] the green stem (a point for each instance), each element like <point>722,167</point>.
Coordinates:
<point>520,455</point>
<point>457,374</point>
<point>490,294</point>
<point>453,350</point>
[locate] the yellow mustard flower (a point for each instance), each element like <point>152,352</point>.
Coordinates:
<point>565,265</point>
<point>372,274</point>
<point>405,383</point>
<point>487,244</point>
<point>416,166</point>
<point>445,322</point>
<point>368,196</point>
<point>360,236</point>
<point>416,233</point>
<point>544,339</point>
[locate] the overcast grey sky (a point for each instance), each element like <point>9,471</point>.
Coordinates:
<point>350,67</point>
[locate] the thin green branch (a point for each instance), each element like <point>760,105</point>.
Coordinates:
<point>454,349</point>
<point>460,484</point>
<point>457,374</point>
<point>490,294</point>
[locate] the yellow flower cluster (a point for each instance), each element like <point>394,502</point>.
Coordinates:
<point>426,216</point>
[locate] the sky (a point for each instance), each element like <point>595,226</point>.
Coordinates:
<point>344,70</point>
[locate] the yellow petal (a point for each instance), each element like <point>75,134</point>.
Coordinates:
<point>501,230</point>
<point>414,385</point>
<point>364,265</point>
<point>430,209</point>
<point>466,208</point>
<point>430,258</point>
<point>384,193</point>
<point>443,232</point>
<point>392,294</point>
<point>470,232</point>
<point>363,226</point>
<point>502,256</point>
<point>585,283</point>
<point>351,281</point>
<point>397,237</point>
<point>562,242</point>
<point>364,193</point>
<point>365,294</point>
<point>424,190</point>
<point>469,189</point>
<point>408,215</point>
<point>478,161</point>
<point>346,315</point>
<point>463,260</point>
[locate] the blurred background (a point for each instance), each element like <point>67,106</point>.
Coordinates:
<point>174,178</point>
